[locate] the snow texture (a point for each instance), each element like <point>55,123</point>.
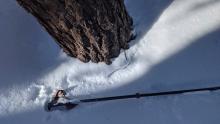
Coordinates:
<point>177,47</point>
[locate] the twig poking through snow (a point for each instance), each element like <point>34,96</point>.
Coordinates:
<point>123,67</point>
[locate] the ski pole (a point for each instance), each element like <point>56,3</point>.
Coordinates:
<point>139,95</point>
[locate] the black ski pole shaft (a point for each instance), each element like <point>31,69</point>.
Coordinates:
<point>138,95</point>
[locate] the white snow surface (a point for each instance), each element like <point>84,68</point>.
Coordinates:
<point>177,47</point>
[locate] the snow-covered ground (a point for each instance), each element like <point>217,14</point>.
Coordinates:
<point>178,47</point>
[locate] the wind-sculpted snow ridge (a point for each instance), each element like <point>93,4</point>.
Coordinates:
<point>177,47</point>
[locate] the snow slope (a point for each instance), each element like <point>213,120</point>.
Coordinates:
<point>177,47</point>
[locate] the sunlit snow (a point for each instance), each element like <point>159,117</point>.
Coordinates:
<point>177,47</point>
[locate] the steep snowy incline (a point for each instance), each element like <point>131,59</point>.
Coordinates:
<point>177,47</point>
